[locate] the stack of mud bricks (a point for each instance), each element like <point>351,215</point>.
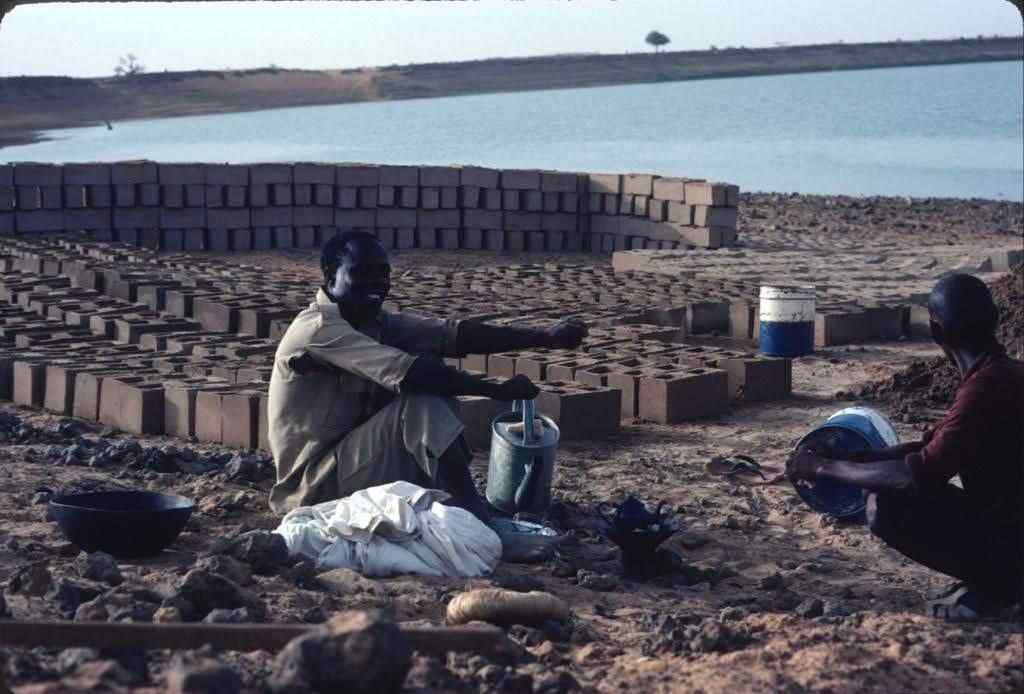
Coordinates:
<point>634,211</point>
<point>242,207</point>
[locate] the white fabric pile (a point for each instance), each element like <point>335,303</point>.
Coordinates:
<point>397,528</point>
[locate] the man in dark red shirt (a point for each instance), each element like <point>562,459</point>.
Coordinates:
<point>972,532</point>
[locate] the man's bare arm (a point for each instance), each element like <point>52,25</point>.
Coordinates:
<point>431,375</point>
<point>480,338</point>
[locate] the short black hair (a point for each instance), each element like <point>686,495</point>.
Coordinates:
<point>337,248</point>
<point>963,305</point>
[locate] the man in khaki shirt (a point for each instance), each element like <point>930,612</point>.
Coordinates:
<point>360,396</point>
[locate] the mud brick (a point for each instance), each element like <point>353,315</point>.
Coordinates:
<point>657,210</point>
<point>268,217</point>
<point>840,327</point>
<point>399,176</point>
<point>638,184</point>
<point>438,219</point>
<point>535,241</point>
<point>707,317</point>
<point>605,225</point>
<point>182,218</point>
<point>263,443</point>
<point>240,419</point>
<point>8,198</point>
<point>743,320</point>
<point>60,386</point>
<point>348,198</point>
<point>88,388</point>
<point>482,219</point>
<point>502,365</point>
<point>155,295</point>
<point>39,221</point>
<point>141,407</point>
<point>124,195</point>
<point>682,394</point>
<point>172,240</point>
<point>129,237</point>
<point>87,220</point>
<point>492,199</point>
<point>569,202</point>
<point>604,183</point>
<point>554,240</point>
<point>580,411</point>
<point>515,241</point>
<point>574,241</point>
<point>627,381</point>
<point>431,198</point>
<point>192,239</point>
<point>884,322</point>
<point>559,182</point>
<point>74,197</point>
<point>610,204</point>
<point>259,196</point>
<point>302,194</point>
<point>396,218</point>
<point>558,222</point>
<point>754,378</point>
<point>705,193</point>
<point>240,239</point>
<point>214,196</point>
<point>223,218</point>
<point>218,240</point>
<point>437,176</point>
<point>208,418</point>
<point>472,239</point>
<point>408,197</point>
<point>195,195</point>
<point>405,238</point>
<point>680,213</point>
<point>522,221</point>
<point>626,204</point>
<point>29,383</point>
<point>534,364</point>
<point>552,202</point>
<point>52,197</point>
<point>369,197</point>
<point>323,194</point>
<point>669,188</point>
<point>494,239</point>
<point>704,216</point>
<point>640,203</point>
<point>510,199</point>
<point>386,238</point>
<point>702,237</point>
<point>367,219</point>
<point>566,370</point>
<point>217,315</point>
<point>235,197</point>
<point>918,322</point>
<point>475,362</point>
<point>470,197</point>
<point>305,237</point>
<point>358,176</point>
<point>479,177</point>
<point>180,407</point>
<point>450,239</point>
<point>6,174</point>
<point>519,179</point>
<point>426,238</point>
<point>28,198</point>
<point>531,200</point>
<point>449,198</point>
<point>477,415</point>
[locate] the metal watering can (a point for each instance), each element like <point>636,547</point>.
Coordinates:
<point>522,461</point>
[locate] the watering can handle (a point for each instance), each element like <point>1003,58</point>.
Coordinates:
<point>524,492</point>
<point>528,408</point>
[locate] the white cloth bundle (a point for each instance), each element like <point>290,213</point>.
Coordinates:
<point>396,528</point>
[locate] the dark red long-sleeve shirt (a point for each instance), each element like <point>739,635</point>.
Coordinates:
<point>981,438</point>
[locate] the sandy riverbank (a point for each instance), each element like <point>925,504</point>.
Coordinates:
<point>29,105</point>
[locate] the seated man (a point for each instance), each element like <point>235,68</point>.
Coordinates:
<point>971,532</point>
<point>360,396</point>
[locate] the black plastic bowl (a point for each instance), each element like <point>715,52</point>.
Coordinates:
<point>124,524</point>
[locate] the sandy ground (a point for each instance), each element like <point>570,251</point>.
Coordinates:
<point>739,616</point>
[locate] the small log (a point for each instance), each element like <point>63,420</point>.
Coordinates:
<point>228,637</point>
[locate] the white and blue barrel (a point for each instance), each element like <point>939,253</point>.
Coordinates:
<point>786,317</point>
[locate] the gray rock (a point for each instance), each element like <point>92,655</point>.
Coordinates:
<point>264,551</point>
<point>206,591</point>
<point>595,581</point>
<point>772,582</point>
<point>241,615</point>
<point>228,567</point>
<point>99,566</point>
<point>200,675</point>
<point>70,658</point>
<point>70,593</point>
<point>34,579</point>
<point>355,652</point>
<point>810,608</point>
<point>3,607</point>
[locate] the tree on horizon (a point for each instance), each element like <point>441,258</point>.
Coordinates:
<point>128,65</point>
<point>657,39</point>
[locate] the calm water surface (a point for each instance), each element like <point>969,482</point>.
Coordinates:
<point>924,131</point>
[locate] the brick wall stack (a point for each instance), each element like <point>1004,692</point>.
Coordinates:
<point>236,207</point>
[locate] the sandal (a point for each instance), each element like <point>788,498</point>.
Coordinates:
<point>742,468</point>
<point>964,604</point>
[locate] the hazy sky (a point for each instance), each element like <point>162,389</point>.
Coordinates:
<point>86,39</point>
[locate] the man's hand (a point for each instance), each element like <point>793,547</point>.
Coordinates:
<point>567,333</point>
<point>516,388</point>
<point>805,465</point>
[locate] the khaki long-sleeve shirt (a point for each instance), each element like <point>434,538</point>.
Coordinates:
<point>348,375</point>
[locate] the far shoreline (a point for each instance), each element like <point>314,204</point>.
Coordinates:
<point>35,105</point>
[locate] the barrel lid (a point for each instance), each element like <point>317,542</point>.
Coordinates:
<point>788,292</point>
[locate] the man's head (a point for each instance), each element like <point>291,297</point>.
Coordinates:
<point>962,313</point>
<point>357,274</point>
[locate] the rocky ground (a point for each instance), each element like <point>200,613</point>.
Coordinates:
<point>764,594</point>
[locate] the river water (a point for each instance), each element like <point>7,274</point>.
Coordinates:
<point>951,130</point>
